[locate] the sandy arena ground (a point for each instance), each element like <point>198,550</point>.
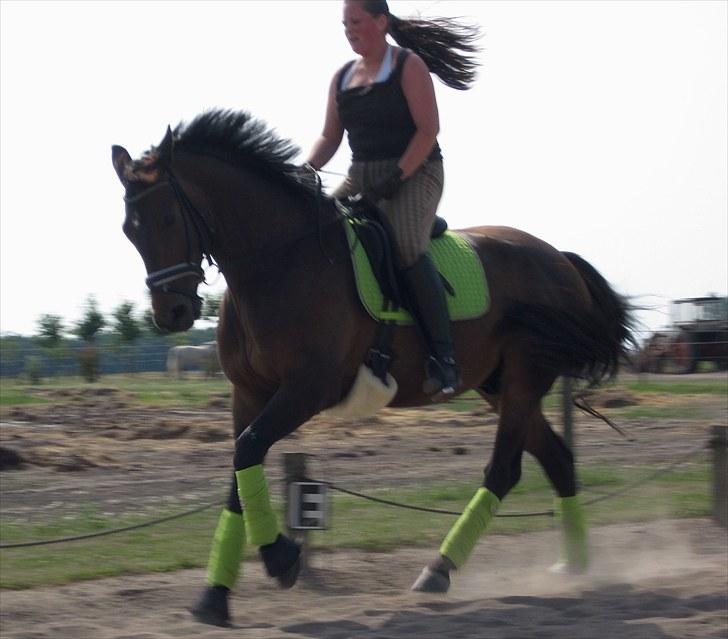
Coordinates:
<point>649,581</point>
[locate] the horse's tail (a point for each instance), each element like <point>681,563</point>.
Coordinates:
<point>589,345</point>
<point>611,309</point>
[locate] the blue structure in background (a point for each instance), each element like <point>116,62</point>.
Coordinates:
<point>147,354</point>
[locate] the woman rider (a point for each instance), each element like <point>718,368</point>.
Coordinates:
<point>385,100</point>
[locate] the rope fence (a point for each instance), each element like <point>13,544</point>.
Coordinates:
<point>545,513</point>
<point>111,531</point>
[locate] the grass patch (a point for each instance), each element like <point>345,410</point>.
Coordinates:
<point>147,389</point>
<point>161,548</point>
<point>191,395</point>
<point>20,397</point>
<point>155,389</point>
<point>355,523</point>
<point>679,387</point>
<point>470,401</point>
<point>159,389</point>
<point>372,526</point>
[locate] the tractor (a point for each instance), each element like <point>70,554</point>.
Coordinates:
<point>699,333</point>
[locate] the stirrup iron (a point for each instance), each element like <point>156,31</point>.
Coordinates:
<point>441,378</point>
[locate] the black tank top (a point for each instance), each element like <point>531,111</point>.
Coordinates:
<point>376,117</point>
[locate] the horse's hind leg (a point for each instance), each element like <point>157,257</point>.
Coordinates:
<point>501,474</point>
<point>519,401</point>
<point>558,464</point>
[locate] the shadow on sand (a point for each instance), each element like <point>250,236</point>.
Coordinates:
<point>613,611</point>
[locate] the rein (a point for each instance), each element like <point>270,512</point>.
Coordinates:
<point>319,194</point>
<point>192,217</point>
<point>327,213</point>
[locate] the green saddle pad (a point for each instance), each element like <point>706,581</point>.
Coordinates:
<point>453,257</point>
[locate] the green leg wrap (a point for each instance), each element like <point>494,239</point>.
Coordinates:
<point>228,547</point>
<point>576,549</point>
<point>260,520</point>
<point>461,539</point>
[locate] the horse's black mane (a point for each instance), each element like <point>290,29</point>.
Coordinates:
<point>240,139</point>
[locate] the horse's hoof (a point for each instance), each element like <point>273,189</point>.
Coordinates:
<point>288,578</point>
<point>212,607</point>
<point>282,560</point>
<point>431,581</point>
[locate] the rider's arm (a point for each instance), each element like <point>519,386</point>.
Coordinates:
<point>330,139</point>
<point>420,95</point>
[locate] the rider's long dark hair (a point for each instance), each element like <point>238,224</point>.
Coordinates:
<point>448,47</point>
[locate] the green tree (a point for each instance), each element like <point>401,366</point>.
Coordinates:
<point>50,337</point>
<point>87,328</point>
<point>50,330</point>
<point>127,329</point>
<point>91,323</point>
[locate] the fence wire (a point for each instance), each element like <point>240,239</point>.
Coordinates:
<point>544,513</point>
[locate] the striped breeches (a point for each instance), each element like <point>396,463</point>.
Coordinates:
<point>411,212</point>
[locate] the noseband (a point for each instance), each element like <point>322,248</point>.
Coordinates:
<point>161,279</point>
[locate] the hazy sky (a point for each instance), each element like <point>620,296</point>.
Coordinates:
<point>599,126</point>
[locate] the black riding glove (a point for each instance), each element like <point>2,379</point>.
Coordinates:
<point>385,188</point>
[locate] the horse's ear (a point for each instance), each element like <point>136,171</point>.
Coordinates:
<point>121,160</point>
<point>164,150</point>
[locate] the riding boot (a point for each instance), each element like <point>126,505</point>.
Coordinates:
<point>427,302</point>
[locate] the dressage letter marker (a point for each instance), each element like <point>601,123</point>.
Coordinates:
<point>307,505</point>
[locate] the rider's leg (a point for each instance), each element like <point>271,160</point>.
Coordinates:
<point>410,215</point>
<point>427,299</point>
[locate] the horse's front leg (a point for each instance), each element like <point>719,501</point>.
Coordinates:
<point>294,403</point>
<point>249,516</point>
<point>228,544</point>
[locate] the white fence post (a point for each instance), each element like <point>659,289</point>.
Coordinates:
<point>294,469</point>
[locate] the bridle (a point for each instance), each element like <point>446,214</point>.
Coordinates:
<point>191,216</point>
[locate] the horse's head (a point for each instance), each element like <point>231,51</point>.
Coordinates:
<point>161,223</point>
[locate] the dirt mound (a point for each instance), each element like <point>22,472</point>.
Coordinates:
<point>61,459</point>
<point>158,429</point>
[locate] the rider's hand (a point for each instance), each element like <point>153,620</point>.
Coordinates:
<point>386,187</point>
<point>306,173</point>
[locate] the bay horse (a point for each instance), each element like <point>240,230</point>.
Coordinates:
<point>292,332</point>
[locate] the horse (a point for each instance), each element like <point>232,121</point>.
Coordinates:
<point>292,331</point>
<point>184,358</point>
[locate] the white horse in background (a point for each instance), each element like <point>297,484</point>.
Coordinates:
<point>186,358</point>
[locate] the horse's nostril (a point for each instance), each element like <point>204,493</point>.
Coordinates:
<point>179,311</point>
